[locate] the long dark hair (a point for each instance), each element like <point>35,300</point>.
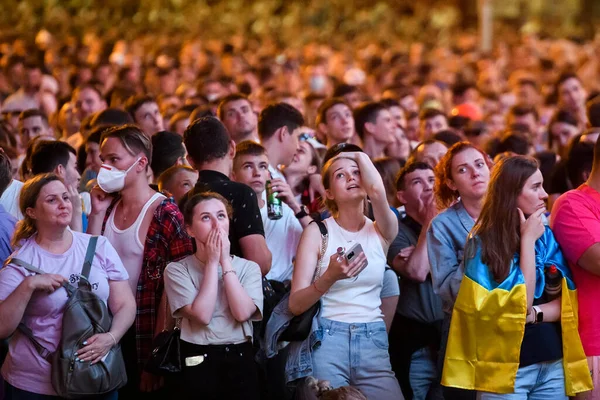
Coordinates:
<point>498,226</point>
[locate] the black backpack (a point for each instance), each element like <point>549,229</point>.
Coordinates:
<point>85,315</point>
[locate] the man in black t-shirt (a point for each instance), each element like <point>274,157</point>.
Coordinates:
<point>211,152</point>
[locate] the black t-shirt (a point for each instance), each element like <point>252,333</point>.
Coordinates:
<point>542,342</point>
<point>246,219</point>
<point>559,179</point>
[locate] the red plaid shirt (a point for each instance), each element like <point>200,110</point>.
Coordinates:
<point>166,241</point>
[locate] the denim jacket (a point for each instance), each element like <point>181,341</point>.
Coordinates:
<point>299,362</point>
<point>446,240</point>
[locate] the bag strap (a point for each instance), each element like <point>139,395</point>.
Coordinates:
<point>324,242</point>
<point>89,257</point>
<point>42,351</point>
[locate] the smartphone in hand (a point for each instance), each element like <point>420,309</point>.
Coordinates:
<point>354,252</point>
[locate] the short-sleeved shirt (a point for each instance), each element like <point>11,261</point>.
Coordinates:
<point>24,368</point>
<point>576,226</point>
<point>418,301</point>
<point>10,199</point>
<point>246,219</point>
<point>282,236</point>
<point>182,281</point>
<point>7,228</point>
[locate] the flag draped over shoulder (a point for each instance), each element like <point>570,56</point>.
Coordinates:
<point>488,324</point>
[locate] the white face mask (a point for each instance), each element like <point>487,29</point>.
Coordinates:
<point>111,179</point>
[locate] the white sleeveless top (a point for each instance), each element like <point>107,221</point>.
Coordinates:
<point>350,300</point>
<point>127,242</point>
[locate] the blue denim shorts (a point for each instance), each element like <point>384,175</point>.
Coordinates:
<point>357,355</point>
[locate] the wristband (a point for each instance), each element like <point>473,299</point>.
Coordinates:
<point>227,272</point>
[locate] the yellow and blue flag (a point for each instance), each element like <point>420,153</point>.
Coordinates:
<point>488,324</point>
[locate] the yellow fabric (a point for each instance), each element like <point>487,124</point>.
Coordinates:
<point>485,339</point>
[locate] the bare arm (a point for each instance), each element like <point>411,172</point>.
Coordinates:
<point>416,265</point>
<point>122,306</point>
<point>203,307</point>
<point>303,295</point>
<point>386,221</point>
<point>13,307</point>
<point>531,229</point>
<point>254,248</point>
<point>241,305</point>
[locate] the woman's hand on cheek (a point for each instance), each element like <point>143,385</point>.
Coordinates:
<point>225,245</point>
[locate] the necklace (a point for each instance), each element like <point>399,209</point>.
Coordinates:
<point>354,234</point>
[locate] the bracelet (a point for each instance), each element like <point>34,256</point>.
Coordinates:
<point>316,288</point>
<point>113,337</point>
<point>230,271</point>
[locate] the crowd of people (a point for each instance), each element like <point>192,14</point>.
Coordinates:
<point>435,211</point>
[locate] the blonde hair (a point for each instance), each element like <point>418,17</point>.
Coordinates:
<point>30,192</point>
<point>330,204</point>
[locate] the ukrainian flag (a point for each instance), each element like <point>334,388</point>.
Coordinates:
<point>488,324</point>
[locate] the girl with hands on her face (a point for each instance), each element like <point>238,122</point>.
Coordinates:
<point>216,296</point>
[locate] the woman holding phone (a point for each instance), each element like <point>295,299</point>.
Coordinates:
<point>354,346</point>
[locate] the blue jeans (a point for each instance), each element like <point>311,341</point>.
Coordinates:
<point>541,381</point>
<point>357,355</point>
<point>13,393</point>
<point>424,377</point>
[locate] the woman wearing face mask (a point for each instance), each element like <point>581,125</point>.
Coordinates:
<point>44,240</point>
<point>217,296</point>
<point>147,231</point>
<point>514,329</point>
<point>461,180</point>
<point>354,346</point>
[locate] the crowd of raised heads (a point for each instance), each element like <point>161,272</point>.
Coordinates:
<point>395,222</point>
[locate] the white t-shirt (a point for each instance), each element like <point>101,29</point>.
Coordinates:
<point>182,282</point>
<point>282,236</point>
<point>10,199</point>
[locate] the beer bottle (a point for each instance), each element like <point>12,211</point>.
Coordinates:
<point>274,205</point>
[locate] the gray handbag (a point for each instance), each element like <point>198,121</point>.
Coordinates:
<point>85,315</point>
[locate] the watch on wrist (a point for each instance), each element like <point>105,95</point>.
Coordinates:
<point>302,213</point>
<point>539,315</point>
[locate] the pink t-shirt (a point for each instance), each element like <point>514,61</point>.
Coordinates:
<point>24,368</point>
<point>576,225</point>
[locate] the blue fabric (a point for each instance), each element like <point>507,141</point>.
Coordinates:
<point>446,238</point>
<point>542,381</point>
<point>7,228</point>
<point>299,363</point>
<point>547,253</point>
<point>356,354</point>
<point>424,377</point>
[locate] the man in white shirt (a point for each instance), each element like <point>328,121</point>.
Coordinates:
<point>250,167</point>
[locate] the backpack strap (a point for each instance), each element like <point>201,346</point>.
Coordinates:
<point>25,265</point>
<point>25,330</point>
<point>89,257</point>
<point>321,226</point>
<point>42,351</point>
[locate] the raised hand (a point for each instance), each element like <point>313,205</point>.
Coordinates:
<point>533,227</point>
